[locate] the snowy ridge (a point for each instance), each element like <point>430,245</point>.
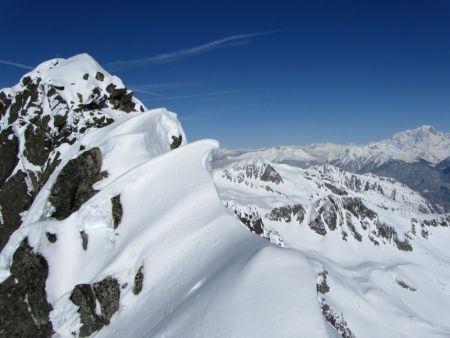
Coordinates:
<point>126,234</point>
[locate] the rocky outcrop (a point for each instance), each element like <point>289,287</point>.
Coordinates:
<point>14,199</point>
<point>73,186</point>
<point>138,281</point>
<point>9,149</point>
<point>23,299</point>
<point>117,211</point>
<point>287,213</point>
<point>85,296</point>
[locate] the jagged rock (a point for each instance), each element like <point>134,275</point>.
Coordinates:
<point>84,239</point>
<point>5,102</point>
<point>85,296</point>
<point>99,76</point>
<point>176,142</point>
<point>51,237</point>
<point>9,149</point>
<point>322,285</point>
<point>251,220</point>
<point>73,186</point>
<point>117,210</point>
<point>358,208</point>
<point>37,145</point>
<point>352,228</point>
<point>335,190</point>
<point>107,293</point>
<point>14,199</point>
<point>138,281</point>
<point>120,98</point>
<point>22,297</point>
<point>287,212</point>
<point>336,320</point>
<point>271,175</point>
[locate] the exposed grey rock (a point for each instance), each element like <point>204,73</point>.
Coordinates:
<point>271,175</point>
<point>336,320</point>
<point>287,212</point>
<point>22,297</point>
<point>120,98</point>
<point>251,220</point>
<point>99,76</point>
<point>107,293</point>
<point>117,210</point>
<point>73,186</point>
<point>335,190</point>
<point>84,239</point>
<point>85,296</point>
<point>358,208</point>
<point>51,237</point>
<point>138,281</point>
<point>14,199</point>
<point>176,142</point>
<point>9,149</point>
<point>322,284</point>
<point>38,145</point>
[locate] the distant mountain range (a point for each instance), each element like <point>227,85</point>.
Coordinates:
<point>418,158</point>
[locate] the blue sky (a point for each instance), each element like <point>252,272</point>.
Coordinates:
<point>255,73</point>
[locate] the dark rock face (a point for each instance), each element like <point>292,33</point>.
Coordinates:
<point>51,237</point>
<point>84,239</point>
<point>358,208</point>
<point>336,320</point>
<point>37,145</point>
<point>271,175</point>
<point>9,149</point>
<point>23,294</point>
<point>138,281</point>
<point>120,98</point>
<point>73,186</point>
<point>83,296</point>
<point>322,284</point>
<point>107,293</point>
<point>335,190</point>
<point>176,142</point>
<point>14,199</point>
<point>117,210</point>
<point>288,212</point>
<point>252,220</point>
<point>388,233</point>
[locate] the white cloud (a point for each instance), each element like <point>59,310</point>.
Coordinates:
<point>20,65</point>
<point>230,41</point>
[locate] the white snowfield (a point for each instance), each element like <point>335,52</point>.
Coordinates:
<point>204,275</point>
<point>424,143</point>
<point>379,290</point>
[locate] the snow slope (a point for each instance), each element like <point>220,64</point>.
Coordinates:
<point>177,263</point>
<point>378,250</point>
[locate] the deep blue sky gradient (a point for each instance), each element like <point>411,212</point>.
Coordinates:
<point>337,71</point>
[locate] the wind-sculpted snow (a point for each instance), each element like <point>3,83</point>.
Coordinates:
<point>126,235</point>
<point>378,248</point>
